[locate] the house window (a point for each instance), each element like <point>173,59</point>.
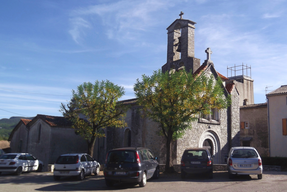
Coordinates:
<point>246,143</point>
<point>244,125</point>
<point>284,126</point>
<point>20,146</point>
<point>215,114</point>
<point>39,133</point>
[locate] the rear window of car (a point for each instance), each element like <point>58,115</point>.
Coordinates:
<point>67,160</point>
<point>122,156</point>
<point>8,156</point>
<point>195,154</point>
<point>244,153</point>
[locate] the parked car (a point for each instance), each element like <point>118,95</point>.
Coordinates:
<point>134,165</point>
<point>19,162</point>
<point>244,161</point>
<point>76,164</point>
<point>196,161</point>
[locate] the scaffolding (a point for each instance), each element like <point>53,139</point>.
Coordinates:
<point>238,70</point>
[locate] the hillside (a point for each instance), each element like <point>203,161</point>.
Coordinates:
<point>7,125</point>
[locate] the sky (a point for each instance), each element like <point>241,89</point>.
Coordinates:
<point>50,47</point>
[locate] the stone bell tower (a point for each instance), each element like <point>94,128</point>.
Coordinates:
<point>180,46</point>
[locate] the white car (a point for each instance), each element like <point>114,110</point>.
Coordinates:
<point>77,164</point>
<point>19,162</point>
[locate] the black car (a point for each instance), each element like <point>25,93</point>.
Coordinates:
<point>196,161</point>
<point>130,164</point>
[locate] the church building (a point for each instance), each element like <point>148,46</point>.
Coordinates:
<point>218,131</point>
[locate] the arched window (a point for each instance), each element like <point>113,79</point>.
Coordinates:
<point>39,133</point>
<point>127,138</point>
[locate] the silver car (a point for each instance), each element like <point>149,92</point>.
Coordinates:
<point>244,161</point>
<point>19,162</point>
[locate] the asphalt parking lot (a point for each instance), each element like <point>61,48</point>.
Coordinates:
<point>34,181</point>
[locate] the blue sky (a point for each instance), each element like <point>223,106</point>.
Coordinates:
<point>48,48</point>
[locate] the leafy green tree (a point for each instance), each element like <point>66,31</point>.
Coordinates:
<point>174,99</point>
<point>95,106</point>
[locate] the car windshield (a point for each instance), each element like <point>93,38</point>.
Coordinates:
<point>244,153</point>
<point>195,154</point>
<point>122,156</point>
<point>67,160</point>
<point>8,156</point>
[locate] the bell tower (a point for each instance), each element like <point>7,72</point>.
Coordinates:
<point>180,46</point>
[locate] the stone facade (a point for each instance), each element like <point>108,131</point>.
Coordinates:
<point>254,127</point>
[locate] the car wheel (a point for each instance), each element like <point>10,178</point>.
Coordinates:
<point>109,183</point>
<point>81,176</point>
<point>230,175</point>
<point>259,176</point>
<point>57,178</point>
<point>18,171</point>
<point>156,174</point>
<point>40,167</point>
<point>143,181</point>
<point>97,171</point>
<point>183,174</point>
<point>210,175</point>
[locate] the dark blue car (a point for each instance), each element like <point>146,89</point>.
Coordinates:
<point>133,165</point>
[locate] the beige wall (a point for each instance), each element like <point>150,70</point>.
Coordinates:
<point>277,111</point>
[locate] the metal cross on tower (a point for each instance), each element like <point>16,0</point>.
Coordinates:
<point>181,14</point>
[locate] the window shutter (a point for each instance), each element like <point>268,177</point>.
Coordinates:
<point>242,125</point>
<point>284,126</point>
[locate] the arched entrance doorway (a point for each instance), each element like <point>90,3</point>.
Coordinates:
<point>208,144</point>
<point>211,140</point>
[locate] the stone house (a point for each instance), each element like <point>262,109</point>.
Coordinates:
<point>277,121</point>
<point>254,127</point>
<point>46,137</point>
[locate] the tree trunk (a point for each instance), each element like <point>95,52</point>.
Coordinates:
<point>91,145</point>
<point>168,164</point>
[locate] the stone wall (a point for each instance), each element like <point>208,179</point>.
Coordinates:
<point>257,131</point>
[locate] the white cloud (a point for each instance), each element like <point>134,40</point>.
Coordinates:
<point>78,26</point>
<point>123,19</point>
<point>270,16</point>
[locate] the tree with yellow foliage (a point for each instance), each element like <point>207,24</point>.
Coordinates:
<point>173,99</point>
<point>93,107</point>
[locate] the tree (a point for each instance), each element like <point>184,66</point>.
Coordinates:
<point>174,99</point>
<point>95,106</point>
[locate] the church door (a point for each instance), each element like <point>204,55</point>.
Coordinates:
<point>208,143</point>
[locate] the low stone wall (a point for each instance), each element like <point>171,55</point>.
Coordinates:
<point>216,167</point>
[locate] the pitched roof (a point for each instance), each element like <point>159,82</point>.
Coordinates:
<point>55,121</point>
<point>222,77</point>
<point>259,105</point>
<point>280,91</point>
<point>229,87</point>
<point>25,121</point>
